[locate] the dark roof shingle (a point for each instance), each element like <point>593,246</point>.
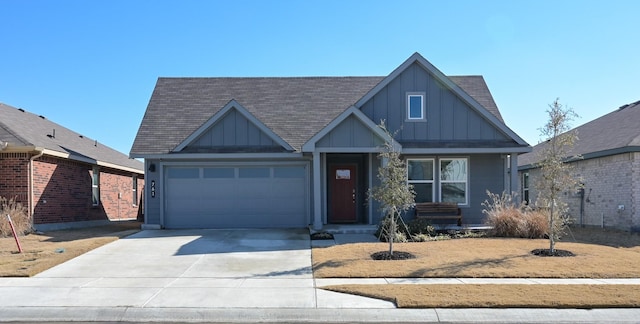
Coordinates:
<point>617,129</point>
<point>22,128</point>
<point>179,106</point>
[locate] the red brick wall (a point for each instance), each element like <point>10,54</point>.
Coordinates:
<point>14,177</point>
<point>62,192</point>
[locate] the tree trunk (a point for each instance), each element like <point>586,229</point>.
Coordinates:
<point>552,230</point>
<point>392,228</point>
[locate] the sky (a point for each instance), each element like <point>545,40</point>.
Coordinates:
<point>91,66</point>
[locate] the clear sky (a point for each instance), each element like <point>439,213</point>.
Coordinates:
<point>91,65</point>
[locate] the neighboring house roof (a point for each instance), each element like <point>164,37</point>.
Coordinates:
<point>22,130</point>
<point>180,106</point>
<point>613,133</point>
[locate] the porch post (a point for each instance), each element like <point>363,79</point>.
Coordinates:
<point>317,196</point>
<point>514,175</point>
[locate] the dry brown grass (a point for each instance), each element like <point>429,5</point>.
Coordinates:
<point>41,252</point>
<point>485,258</point>
<point>600,254</point>
<point>19,217</point>
<point>473,296</point>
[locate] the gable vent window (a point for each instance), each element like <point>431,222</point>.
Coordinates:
<point>415,106</point>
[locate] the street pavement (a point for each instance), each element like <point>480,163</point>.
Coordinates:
<point>238,276</point>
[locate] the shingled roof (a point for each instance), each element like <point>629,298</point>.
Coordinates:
<point>22,129</point>
<point>179,106</point>
<point>613,133</point>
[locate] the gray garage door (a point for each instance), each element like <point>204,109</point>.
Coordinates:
<point>236,197</point>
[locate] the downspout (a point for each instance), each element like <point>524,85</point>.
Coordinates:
<point>32,206</point>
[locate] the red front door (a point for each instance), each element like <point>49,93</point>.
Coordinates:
<point>342,182</point>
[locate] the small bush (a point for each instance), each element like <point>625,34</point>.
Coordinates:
<point>536,224</point>
<point>420,226</point>
<point>509,220</point>
<point>19,216</point>
<point>402,233</point>
<point>421,238</point>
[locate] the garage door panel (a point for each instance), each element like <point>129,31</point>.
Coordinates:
<point>235,197</point>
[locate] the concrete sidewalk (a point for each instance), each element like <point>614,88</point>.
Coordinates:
<point>220,276</point>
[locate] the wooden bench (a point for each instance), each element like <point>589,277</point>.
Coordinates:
<point>439,210</point>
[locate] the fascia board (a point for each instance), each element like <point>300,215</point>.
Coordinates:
<point>470,150</point>
<point>220,156</point>
<point>90,161</point>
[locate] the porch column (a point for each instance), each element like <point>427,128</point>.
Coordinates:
<point>317,196</point>
<point>514,175</point>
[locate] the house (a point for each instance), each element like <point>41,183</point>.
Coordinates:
<point>300,151</point>
<point>609,169</point>
<point>63,178</point>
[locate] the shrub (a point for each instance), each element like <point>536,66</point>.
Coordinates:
<point>421,238</point>
<point>536,224</point>
<point>420,226</point>
<point>510,220</point>
<point>402,232</point>
<point>19,216</point>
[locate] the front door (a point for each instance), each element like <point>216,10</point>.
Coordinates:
<point>342,182</point>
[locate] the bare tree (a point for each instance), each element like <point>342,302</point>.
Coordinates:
<point>556,173</point>
<point>394,193</point>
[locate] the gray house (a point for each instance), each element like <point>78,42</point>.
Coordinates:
<point>300,151</point>
<point>609,168</point>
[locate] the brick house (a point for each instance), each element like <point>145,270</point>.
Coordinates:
<point>609,169</point>
<point>63,178</point>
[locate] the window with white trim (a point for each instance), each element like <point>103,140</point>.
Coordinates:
<point>525,187</point>
<point>454,177</point>
<point>415,106</point>
<point>420,174</point>
<point>95,186</point>
<point>134,189</point>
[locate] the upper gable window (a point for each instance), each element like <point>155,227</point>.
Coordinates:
<point>415,106</point>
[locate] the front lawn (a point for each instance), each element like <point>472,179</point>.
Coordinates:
<point>46,250</point>
<point>599,254</point>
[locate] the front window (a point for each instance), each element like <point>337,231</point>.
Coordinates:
<point>134,189</point>
<point>95,186</point>
<point>453,180</point>
<point>420,175</point>
<point>525,187</point>
<point>415,107</point>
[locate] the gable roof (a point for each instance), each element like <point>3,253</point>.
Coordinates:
<point>309,146</point>
<point>217,117</point>
<point>179,107</point>
<point>475,85</point>
<point>613,133</point>
<point>21,129</point>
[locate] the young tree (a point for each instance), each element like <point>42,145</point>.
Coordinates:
<point>556,174</point>
<point>394,193</point>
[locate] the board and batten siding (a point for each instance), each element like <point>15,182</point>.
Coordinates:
<point>233,130</point>
<point>486,172</point>
<point>350,133</point>
<point>448,117</point>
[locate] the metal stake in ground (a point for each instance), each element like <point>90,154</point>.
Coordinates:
<point>15,236</point>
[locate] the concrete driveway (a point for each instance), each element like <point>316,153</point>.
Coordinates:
<point>186,268</point>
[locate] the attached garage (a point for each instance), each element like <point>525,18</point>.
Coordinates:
<point>252,196</point>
